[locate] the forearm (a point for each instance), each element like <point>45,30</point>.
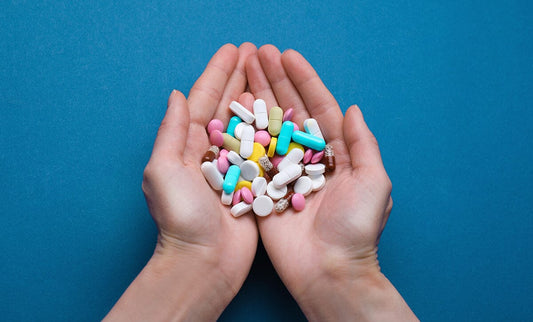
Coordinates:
<point>174,286</point>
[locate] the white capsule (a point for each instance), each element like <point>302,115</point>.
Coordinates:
<point>293,157</point>
<point>303,185</point>
<point>259,186</point>
<point>211,174</point>
<point>315,169</point>
<point>249,170</point>
<point>240,209</point>
<point>242,112</point>
<point>226,198</point>
<point>274,192</point>
<point>311,127</point>
<point>238,130</point>
<point>263,205</point>
<point>234,158</point>
<point>319,182</point>
<point>261,114</point>
<point>247,141</point>
<point>288,175</point>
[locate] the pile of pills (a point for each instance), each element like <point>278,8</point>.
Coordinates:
<point>262,168</point>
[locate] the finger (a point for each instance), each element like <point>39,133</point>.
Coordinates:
<point>362,145</point>
<point>236,84</point>
<point>258,82</point>
<point>286,94</point>
<point>317,98</point>
<point>247,100</point>
<point>172,134</point>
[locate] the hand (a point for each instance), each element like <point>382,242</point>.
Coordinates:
<point>203,253</point>
<point>327,254</point>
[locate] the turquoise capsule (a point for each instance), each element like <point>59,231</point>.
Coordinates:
<point>284,137</point>
<point>231,178</point>
<point>308,140</point>
<point>232,124</point>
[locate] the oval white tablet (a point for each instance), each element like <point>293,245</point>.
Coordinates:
<point>276,193</point>
<point>234,158</point>
<point>259,186</point>
<point>238,130</point>
<point>249,170</point>
<point>242,112</point>
<point>319,182</point>
<point>311,127</point>
<point>288,175</point>
<point>240,209</point>
<point>295,156</point>
<point>303,185</point>
<point>263,206</point>
<point>315,169</point>
<point>212,175</point>
<point>226,198</point>
<point>247,141</point>
<point>261,114</point>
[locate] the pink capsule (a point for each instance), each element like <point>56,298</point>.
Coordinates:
<point>308,155</point>
<point>247,195</point>
<point>216,138</point>
<point>262,137</point>
<point>236,197</point>
<point>298,202</point>
<point>215,124</point>
<point>222,164</point>
<point>287,116</point>
<point>317,157</point>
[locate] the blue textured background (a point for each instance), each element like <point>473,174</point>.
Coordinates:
<point>445,87</point>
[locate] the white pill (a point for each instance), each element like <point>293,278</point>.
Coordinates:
<point>315,169</point>
<point>234,158</point>
<point>259,186</point>
<point>293,157</point>
<point>247,141</point>
<point>261,114</point>
<point>303,185</point>
<point>263,205</point>
<point>242,112</point>
<point>311,127</point>
<point>212,175</point>
<point>249,170</point>
<point>319,182</point>
<point>240,209</point>
<point>238,130</point>
<point>274,192</point>
<point>288,175</point>
<point>226,198</point>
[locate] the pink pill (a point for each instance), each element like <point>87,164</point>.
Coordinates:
<point>317,157</point>
<point>216,138</point>
<point>262,137</point>
<point>215,124</point>
<point>298,202</point>
<point>222,164</point>
<point>223,153</point>
<point>247,195</point>
<point>287,116</point>
<point>276,159</point>
<point>296,127</point>
<point>308,155</point>
<point>236,197</point>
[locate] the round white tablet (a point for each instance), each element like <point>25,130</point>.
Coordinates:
<point>240,209</point>
<point>249,170</point>
<point>259,186</point>
<point>263,205</point>
<point>276,193</point>
<point>303,185</point>
<point>318,182</point>
<point>315,169</point>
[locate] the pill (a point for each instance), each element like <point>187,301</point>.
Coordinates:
<point>311,127</point>
<point>287,116</point>
<point>294,157</point>
<point>288,175</point>
<point>272,147</point>
<point>296,127</point>
<point>257,152</point>
<point>263,205</point>
<point>223,153</point>
<point>222,164</point>
<point>276,159</point>
<point>226,198</point>
<point>303,185</point>
<point>238,130</point>
<point>308,155</point>
<point>267,166</point>
<point>247,195</point>
<point>284,138</point>
<point>242,112</point>
<point>215,124</point>
<point>317,157</point>
<point>315,169</point>
<point>294,145</point>
<point>236,197</point>
<point>275,118</point>
<point>262,137</point>
<point>234,158</point>
<point>261,114</point>
<point>243,183</point>
<point>259,186</point>
<point>210,154</point>
<point>233,121</point>
<point>274,192</point>
<point>329,158</point>
<point>249,170</point>
<point>216,138</point>
<point>298,202</point>
<point>308,140</point>
<point>231,178</point>
<point>231,143</point>
<point>319,181</point>
<point>283,203</point>
<point>240,209</point>
<point>247,141</point>
<point>213,177</point>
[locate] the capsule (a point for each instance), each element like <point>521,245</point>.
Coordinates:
<point>269,168</point>
<point>211,154</point>
<point>329,158</point>
<point>284,202</point>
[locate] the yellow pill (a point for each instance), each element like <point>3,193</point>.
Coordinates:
<point>275,119</point>
<point>294,145</point>
<point>272,147</point>
<point>258,152</point>
<point>243,183</point>
<point>231,143</point>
